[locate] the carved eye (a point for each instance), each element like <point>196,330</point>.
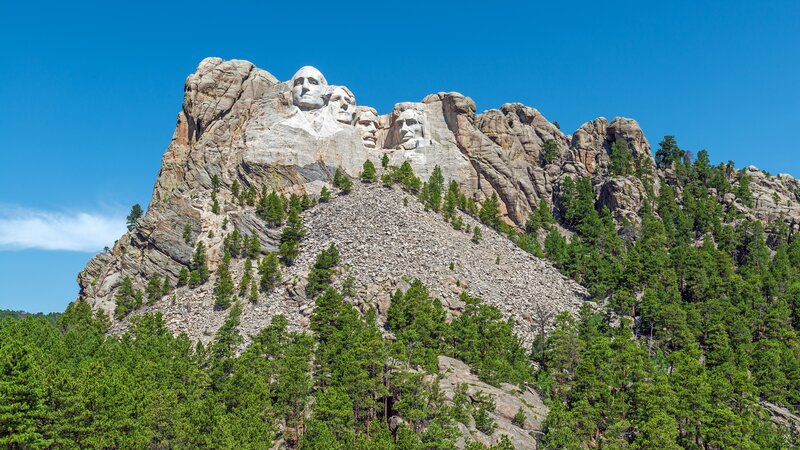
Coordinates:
<point>411,122</point>
<point>298,81</point>
<point>313,81</point>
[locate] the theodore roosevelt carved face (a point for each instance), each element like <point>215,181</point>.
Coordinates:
<point>367,126</point>
<point>309,88</point>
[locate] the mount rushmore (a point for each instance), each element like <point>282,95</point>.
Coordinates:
<point>240,126</point>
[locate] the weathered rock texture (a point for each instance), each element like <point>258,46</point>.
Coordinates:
<point>240,124</point>
<point>383,246</point>
<point>509,399</point>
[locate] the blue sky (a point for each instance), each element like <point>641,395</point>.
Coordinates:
<point>89,93</point>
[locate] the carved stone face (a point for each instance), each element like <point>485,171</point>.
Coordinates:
<point>308,88</point>
<point>409,125</point>
<point>343,105</point>
<point>367,126</point>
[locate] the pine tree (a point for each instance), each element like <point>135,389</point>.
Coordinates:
<point>385,161</point>
<point>154,288</point>
<point>214,203</point>
<point>247,277</point>
<point>166,287</point>
<point>183,277</point>
<point>223,287</point>
<point>271,210</point>
<point>342,181</point>
<point>319,277</point>
<point>269,272</point>
<point>477,236</point>
<point>621,158</point>
<point>490,211</point>
<point>134,216</point>
<point>324,195</point>
<point>668,152</point>
<point>127,298</point>
<point>187,233</point>
<point>451,199</point>
<point>435,189</point>
<point>368,174</point>
<point>199,273</point>
<point>253,246</point>
<point>549,152</point>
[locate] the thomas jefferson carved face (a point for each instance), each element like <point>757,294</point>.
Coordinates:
<point>342,104</point>
<point>308,88</point>
<point>367,126</point>
<point>409,125</point>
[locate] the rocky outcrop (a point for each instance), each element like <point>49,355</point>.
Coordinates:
<point>775,198</point>
<point>624,196</point>
<point>383,245</point>
<point>508,399</point>
<point>239,125</point>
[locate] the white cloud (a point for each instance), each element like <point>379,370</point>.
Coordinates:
<point>76,231</point>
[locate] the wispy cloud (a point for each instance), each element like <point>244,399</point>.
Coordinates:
<point>22,229</point>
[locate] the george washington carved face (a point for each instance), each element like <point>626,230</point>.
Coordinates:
<point>309,88</point>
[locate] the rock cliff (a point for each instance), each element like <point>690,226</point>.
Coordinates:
<point>240,127</point>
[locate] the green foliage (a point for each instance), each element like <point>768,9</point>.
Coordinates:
<point>368,174</point>
<point>319,277</point>
<point>215,208</point>
<point>183,277</point>
<point>16,315</point>
<point>292,234</point>
<point>519,418</point>
<point>271,209</point>
<point>668,152</point>
<point>484,340</point>
<point>490,212</point>
<point>223,286</point>
<point>134,216</point>
<point>418,322</point>
<point>187,233</point>
<point>540,219</point>
<point>483,422</point>
<point>622,163</point>
<point>324,195</point>
<point>155,288</point>
<point>703,301</point>
<point>269,272</point>
<point>435,189</point>
<point>743,193</point>
<point>349,287</point>
<point>127,298</point>
<point>405,176</point>
<point>199,273</point>
<point>477,235</point>
<point>549,152</point>
<point>342,181</point>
